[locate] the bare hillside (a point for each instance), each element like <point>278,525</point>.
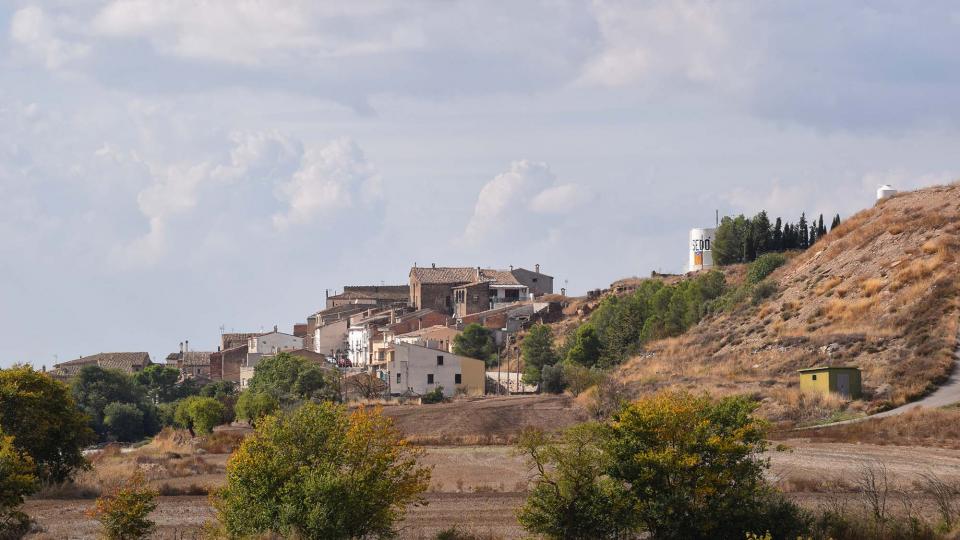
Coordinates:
<point>879,292</point>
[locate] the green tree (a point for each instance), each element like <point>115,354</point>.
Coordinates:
<point>16,482</point>
<point>94,388</point>
<point>803,232</point>
<point>159,382</point>
<point>219,389</point>
<point>199,414</point>
<point>291,378</point>
<point>318,472</point>
<point>124,513</point>
<point>124,421</point>
<point>694,468</point>
<point>476,341</point>
<point>835,223</point>
<point>572,497</point>
<point>252,406</point>
<point>586,348</point>
<point>537,351</point>
<point>44,421</point>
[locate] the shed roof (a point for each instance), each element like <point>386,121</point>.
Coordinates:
<point>828,368</point>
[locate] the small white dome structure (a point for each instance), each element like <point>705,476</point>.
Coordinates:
<point>885,192</point>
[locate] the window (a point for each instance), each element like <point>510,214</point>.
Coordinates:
<point>439,359</point>
<point>814,377</point>
<point>398,378</point>
<point>429,378</point>
<point>457,379</point>
<point>534,280</point>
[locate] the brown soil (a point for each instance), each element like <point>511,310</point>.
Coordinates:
<point>491,420</point>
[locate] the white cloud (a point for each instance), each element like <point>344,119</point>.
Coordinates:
<point>512,200</point>
<point>33,30</point>
<point>330,178</point>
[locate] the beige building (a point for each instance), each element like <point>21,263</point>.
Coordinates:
<point>434,337</point>
<point>412,369</point>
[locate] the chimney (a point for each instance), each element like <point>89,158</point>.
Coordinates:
<point>181,347</point>
<point>327,292</point>
<point>536,268</point>
<point>511,268</point>
<point>563,291</point>
<point>478,273</point>
<point>218,348</point>
<point>186,346</point>
<point>433,265</point>
<point>274,328</point>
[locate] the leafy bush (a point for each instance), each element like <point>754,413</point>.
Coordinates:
<point>572,496</point>
<point>551,379</point>
<point>16,482</point>
<point>683,455</point>
<point>41,416</point>
<point>433,396</point>
<point>94,388</point>
<point>124,421</point>
<point>199,414</point>
<point>252,406</point>
<point>124,513</point>
<point>764,266</point>
<point>318,472</point>
<point>578,378</point>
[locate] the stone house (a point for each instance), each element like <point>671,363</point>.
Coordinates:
<point>463,291</point>
<point>128,362</point>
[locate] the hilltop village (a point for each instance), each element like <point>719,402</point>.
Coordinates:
<point>386,340</point>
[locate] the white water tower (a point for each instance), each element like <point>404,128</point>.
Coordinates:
<point>701,249</point>
<point>885,192</point>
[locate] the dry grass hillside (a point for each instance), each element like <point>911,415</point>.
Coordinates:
<point>879,292</point>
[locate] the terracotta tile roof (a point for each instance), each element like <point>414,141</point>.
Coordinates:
<point>374,292</point>
<point>129,362</point>
<point>462,275</point>
<point>194,358</point>
<point>444,274</point>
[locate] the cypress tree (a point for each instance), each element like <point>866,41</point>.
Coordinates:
<point>821,230</point>
<point>777,238</point>
<point>803,234</point>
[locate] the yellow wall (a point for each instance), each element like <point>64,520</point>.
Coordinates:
<point>819,386</point>
<point>473,376</point>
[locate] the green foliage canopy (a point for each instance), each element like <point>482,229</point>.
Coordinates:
<point>586,348</point>
<point>199,414</point>
<point>94,388</point>
<point>291,378</point>
<point>476,341</point>
<point>124,421</point>
<point>537,351</point>
<point>252,406</point>
<point>318,472</point>
<point>44,421</point>
<point>16,482</point>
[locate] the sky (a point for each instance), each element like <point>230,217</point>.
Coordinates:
<point>169,168</point>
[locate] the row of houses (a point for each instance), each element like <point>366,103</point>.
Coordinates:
<point>402,335</point>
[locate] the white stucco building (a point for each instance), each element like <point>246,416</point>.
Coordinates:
<point>417,370</point>
<point>273,342</point>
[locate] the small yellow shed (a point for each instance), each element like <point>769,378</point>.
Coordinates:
<point>844,381</point>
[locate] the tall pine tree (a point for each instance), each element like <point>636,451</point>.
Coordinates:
<point>777,236</point>
<point>803,234</point>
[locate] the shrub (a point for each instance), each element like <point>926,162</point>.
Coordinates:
<point>764,266</point>
<point>683,455</point>
<point>291,378</point>
<point>433,396</point>
<point>199,414</point>
<point>41,416</point>
<point>252,406</point>
<point>572,497</point>
<point>124,421</point>
<point>578,378</point>
<point>551,379</point>
<point>16,482</point>
<point>124,513</point>
<point>762,291</point>
<point>585,349</point>
<point>318,472</point>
